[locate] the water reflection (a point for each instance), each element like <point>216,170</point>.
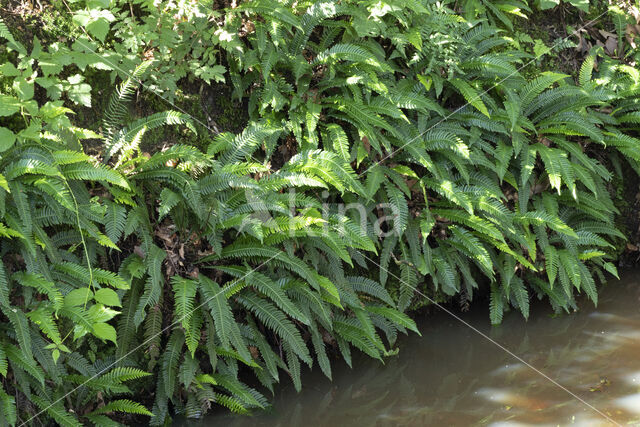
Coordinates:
<point>453,376</point>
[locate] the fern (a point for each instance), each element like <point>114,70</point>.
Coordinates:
<point>390,153</point>
<point>57,412</point>
<point>470,95</point>
<point>275,320</point>
<point>7,403</point>
<point>184,292</point>
<point>122,405</point>
<point>226,328</point>
<point>116,111</point>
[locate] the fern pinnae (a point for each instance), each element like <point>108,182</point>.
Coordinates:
<point>226,328</point>
<point>116,110</point>
<point>184,297</point>
<point>275,320</point>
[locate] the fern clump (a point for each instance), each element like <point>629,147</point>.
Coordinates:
<point>57,299</point>
<point>396,155</point>
<point>483,172</point>
<point>242,277</point>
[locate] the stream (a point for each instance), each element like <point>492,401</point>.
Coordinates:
<point>452,376</point>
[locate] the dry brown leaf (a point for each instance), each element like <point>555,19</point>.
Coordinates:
<point>611,45</point>
<point>584,46</point>
<point>254,352</point>
<point>633,11</point>
<point>367,145</point>
<point>195,273</point>
<point>607,34</point>
<point>165,235</point>
<point>138,251</point>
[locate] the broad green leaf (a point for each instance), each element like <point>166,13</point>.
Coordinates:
<point>23,88</point>
<point>9,70</point>
<point>108,297</point>
<point>8,105</point>
<point>97,22</point>
<point>7,139</point>
<point>105,331</point>
<point>78,297</point>
<point>548,4</point>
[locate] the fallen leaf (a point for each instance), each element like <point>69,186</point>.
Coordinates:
<point>584,46</point>
<point>611,46</point>
<point>367,145</point>
<point>166,235</point>
<point>254,351</point>
<point>633,11</point>
<point>194,273</point>
<point>138,251</point>
<point>607,34</point>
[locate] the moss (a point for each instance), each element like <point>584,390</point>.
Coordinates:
<point>56,24</point>
<point>229,115</point>
<point>211,108</point>
<point>551,28</point>
<point>52,23</point>
<point>596,14</point>
<point>151,103</point>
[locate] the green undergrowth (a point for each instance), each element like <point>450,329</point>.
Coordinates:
<point>196,203</point>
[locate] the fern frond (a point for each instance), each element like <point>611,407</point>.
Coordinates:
<point>275,320</point>
<point>117,109</point>
<point>227,329</point>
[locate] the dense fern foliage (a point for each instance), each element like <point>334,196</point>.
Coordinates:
<point>231,245</point>
<point>56,303</point>
<point>397,153</point>
<point>485,172</point>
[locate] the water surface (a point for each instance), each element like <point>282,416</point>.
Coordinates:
<point>453,376</point>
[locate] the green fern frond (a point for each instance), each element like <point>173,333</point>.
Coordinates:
<point>8,412</point>
<point>184,292</point>
<point>56,411</point>
<point>117,109</point>
<point>122,405</point>
<point>227,329</point>
<point>89,172</point>
<point>275,320</point>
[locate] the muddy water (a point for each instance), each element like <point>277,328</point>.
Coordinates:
<point>453,376</point>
